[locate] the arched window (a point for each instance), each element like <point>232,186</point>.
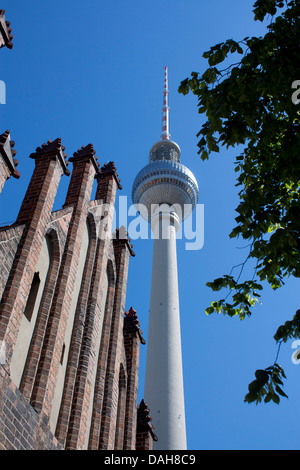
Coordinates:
<point>30,313</point>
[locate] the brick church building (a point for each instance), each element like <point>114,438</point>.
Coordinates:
<point>69,353</point>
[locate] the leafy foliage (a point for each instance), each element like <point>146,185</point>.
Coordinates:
<point>266,384</point>
<point>244,298</point>
<point>248,103</point>
<point>290,329</point>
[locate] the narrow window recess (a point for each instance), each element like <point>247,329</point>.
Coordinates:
<point>32,296</point>
<point>62,354</point>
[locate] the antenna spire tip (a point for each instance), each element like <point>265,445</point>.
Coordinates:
<point>165,129</point>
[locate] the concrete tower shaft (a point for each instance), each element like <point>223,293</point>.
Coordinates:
<point>164,391</point>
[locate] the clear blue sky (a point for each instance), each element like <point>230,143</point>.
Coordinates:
<point>92,71</point>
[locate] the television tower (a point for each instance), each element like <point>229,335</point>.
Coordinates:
<point>165,192</point>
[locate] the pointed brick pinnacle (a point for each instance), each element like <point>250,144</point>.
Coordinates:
<point>143,412</point>
<point>131,322</point>
<point>3,139</point>
<point>131,313</point>
<point>50,147</point>
<point>143,420</point>
<point>87,151</point>
<point>133,318</point>
<point>53,148</point>
<point>121,235</point>
<point>5,30</point>
<point>8,153</point>
<point>110,169</point>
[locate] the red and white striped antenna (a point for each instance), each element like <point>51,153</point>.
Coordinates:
<point>165,127</point>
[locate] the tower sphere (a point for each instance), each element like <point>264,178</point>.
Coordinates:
<point>165,181</point>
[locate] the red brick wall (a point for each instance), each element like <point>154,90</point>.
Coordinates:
<point>21,427</point>
<point>101,383</point>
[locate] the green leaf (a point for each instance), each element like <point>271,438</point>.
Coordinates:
<point>204,155</point>
<point>280,391</point>
<point>268,397</point>
<point>275,398</point>
<point>209,310</point>
<point>184,87</point>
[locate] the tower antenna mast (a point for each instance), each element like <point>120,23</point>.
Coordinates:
<point>165,125</point>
